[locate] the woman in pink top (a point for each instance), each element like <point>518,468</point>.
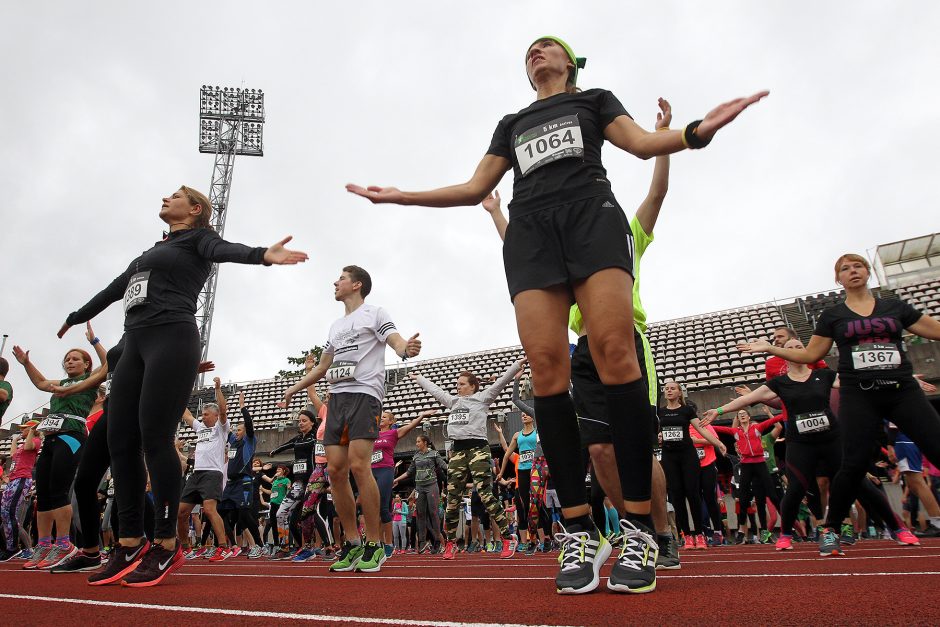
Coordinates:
<point>25,448</point>
<point>708,480</point>
<point>383,466</point>
<point>747,438</point>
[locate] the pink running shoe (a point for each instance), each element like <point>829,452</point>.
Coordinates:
<point>689,543</point>
<point>700,542</point>
<point>784,543</point>
<point>904,537</point>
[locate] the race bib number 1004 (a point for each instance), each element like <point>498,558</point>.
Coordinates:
<point>557,139</point>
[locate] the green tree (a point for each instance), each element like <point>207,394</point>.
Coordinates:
<point>298,363</point>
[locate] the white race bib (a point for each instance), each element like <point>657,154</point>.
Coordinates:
<point>204,436</point>
<point>319,450</point>
<point>527,457</point>
<point>377,457</point>
<point>672,434</point>
<point>232,452</point>
<point>875,357</point>
<point>812,422</point>
<point>136,291</point>
<point>766,455</point>
<point>659,454</point>
<point>557,139</point>
<point>341,371</point>
<point>50,424</point>
<point>300,467</point>
<point>459,417</point>
<point>700,452</point>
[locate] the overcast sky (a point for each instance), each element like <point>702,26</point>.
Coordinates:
<point>99,121</point>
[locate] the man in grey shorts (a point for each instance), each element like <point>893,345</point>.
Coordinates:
<point>353,362</point>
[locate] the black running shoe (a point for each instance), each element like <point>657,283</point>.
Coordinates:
<point>78,563</point>
<point>156,566</point>
<point>668,557</point>
<point>930,532</point>
<point>124,559</point>
<point>6,556</point>
<point>740,539</point>
<point>635,568</point>
<point>582,555</point>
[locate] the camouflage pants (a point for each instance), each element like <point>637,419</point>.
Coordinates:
<point>473,464</point>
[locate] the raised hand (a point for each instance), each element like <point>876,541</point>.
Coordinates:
<point>708,417</point>
<point>205,366</point>
<point>21,355</point>
<point>759,346</point>
<point>241,400</point>
<point>284,402</point>
<point>310,361</point>
<point>723,449</point>
<point>217,381</point>
<point>706,420</point>
<point>742,390</point>
<point>278,255</point>
<point>414,346</point>
<point>664,117</point>
<point>725,113</point>
<point>89,332</point>
<point>427,413</point>
<point>377,195</point>
<point>491,202</point>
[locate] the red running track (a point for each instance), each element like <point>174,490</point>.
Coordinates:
<point>877,582</point>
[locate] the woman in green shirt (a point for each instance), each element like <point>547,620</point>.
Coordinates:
<point>64,431</point>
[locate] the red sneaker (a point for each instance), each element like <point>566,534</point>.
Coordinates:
<point>221,555</point>
<point>157,564</point>
<point>784,543</point>
<point>236,551</point>
<point>902,536</point>
<point>509,547</point>
<point>700,542</point>
<point>689,543</point>
<point>449,551</point>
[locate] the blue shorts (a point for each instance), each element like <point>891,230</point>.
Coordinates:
<point>909,457</point>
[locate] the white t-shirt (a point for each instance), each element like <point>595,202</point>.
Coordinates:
<point>357,344</point>
<point>210,446</point>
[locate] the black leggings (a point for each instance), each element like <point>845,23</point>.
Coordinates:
<point>861,413</point>
<point>522,498</point>
<point>55,470</point>
<point>682,483</point>
<point>807,460</point>
<point>238,521</point>
<point>149,391</point>
<point>708,480</point>
<point>763,489</point>
<point>94,463</point>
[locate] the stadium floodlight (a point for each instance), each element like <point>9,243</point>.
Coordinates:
<point>231,122</point>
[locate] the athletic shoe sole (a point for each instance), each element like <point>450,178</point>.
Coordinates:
<point>617,587</point>
<point>664,567</point>
<point>832,553</point>
<point>351,567</point>
<point>599,560</point>
<point>117,576</point>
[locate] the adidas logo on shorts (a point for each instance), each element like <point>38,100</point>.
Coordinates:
<point>607,203</point>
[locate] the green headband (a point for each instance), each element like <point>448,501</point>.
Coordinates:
<point>579,62</point>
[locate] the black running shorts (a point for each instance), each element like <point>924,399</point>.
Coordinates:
<point>567,243</point>
<point>202,485</point>
<point>351,416</point>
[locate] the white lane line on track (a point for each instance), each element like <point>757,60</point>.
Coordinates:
<point>658,576</point>
<point>320,618</point>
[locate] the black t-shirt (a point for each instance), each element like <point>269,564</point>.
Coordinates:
<point>303,445</point>
<point>554,146</point>
<point>870,347</point>
<point>162,285</point>
<point>809,416</point>
<point>675,427</point>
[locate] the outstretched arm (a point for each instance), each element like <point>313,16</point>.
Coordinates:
<point>523,406</point>
<point>36,377</point>
<point>431,388</point>
<point>220,400</point>
<point>817,348</point>
<point>491,393</point>
<point>926,327</point>
<point>484,180</point>
<point>246,415</point>
<point>648,211</point>
<point>403,431</point>
<point>307,380</point>
<point>708,436</point>
<point>761,394</point>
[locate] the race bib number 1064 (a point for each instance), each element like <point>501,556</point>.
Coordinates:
<point>557,139</point>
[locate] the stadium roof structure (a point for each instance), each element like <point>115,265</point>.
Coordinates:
<point>908,261</point>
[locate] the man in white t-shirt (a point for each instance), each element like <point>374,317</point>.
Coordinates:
<point>204,486</point>
<point>353,361</point>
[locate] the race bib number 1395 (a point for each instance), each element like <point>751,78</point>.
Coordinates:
<point>557,139</point>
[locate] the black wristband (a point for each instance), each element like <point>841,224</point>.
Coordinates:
<point>692,140</point>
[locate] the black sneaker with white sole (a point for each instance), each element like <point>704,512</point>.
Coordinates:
<point>668,558</point>
<point>582,555</point>
<point>78,563</point>
<point>635,568</point>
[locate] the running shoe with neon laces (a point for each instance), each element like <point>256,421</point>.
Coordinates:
<point>700,542</point>
<point>689,543</point>
<point>156,566</point>
<point>784,543</point>
<point>582,555</point>
<point>509,546</point>
<point>347,558</point>
<point>635,569</point>
<point>78,563</point>
<point>766,537</point>
<point>848,535</point>
<point>668,556</point>
<point>57,555</point>
<point>124,559</point>
<point>38,555</point>
<point>903,536</point>
<point>449,551</point>
<point>302,555</point>
<point>829,543</point>
<point>373,556</point>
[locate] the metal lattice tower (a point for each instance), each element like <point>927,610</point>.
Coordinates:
<point>231,122</point>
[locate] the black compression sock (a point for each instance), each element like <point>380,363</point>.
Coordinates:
<point>579,523</point>
<point>645,520</point>
<point>631,430</point>
<point>561,442</point>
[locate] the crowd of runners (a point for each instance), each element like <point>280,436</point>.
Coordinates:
<point>609,460</point>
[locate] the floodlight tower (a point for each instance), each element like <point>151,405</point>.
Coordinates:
<point>231,122</point>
